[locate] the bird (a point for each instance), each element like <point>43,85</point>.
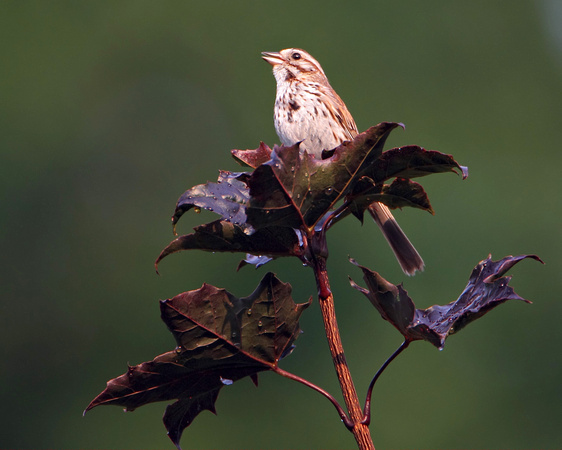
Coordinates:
<point>308,111</point>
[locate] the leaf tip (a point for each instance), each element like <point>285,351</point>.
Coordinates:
<point>354,284</point>
<point>174,219</point>
<point>174,440</point>
<point>536,258</point>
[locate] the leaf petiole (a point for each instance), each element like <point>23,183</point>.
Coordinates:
<point>343,415</point>
<point>367,409</point>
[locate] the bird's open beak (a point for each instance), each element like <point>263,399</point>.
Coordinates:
<point>273,58</point>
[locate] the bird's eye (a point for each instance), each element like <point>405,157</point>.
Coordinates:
<point>296,55</point>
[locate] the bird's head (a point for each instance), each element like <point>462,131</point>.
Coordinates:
<point>293,63</point>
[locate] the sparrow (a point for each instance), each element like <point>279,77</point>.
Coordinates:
<point>308,111</point>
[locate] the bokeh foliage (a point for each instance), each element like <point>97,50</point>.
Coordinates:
<point>110,110</point>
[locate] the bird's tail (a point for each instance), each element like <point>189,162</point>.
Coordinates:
<point>408,257</point>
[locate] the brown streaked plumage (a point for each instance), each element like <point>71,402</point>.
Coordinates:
<point>309,111</point>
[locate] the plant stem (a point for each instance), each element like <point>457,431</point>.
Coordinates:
<point>326,299</point>
<point>340,410</point>
<point>367,411</point>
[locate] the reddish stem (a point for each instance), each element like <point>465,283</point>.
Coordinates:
<point>367,410</point>
<point>326,299</point>
<point>341,412</point>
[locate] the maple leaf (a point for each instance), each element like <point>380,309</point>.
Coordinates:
<point>486,289</point>
<point>220,339</point>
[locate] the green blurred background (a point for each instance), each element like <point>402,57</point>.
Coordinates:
<point>110,110</point>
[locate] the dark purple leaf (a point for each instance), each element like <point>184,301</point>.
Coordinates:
<point>253,158</point>
<point>221,339</point>
<point>412,161</point>
<point>224,236</point>
<point>400,193</point>
<point>295,189</point>
<point>355,157</point>
<point>271,203</point>
<point>227,197</point>
<point>179,415</point>
<point>486,289</point>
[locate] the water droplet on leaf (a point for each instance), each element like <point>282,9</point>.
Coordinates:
<point>226,381</point>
